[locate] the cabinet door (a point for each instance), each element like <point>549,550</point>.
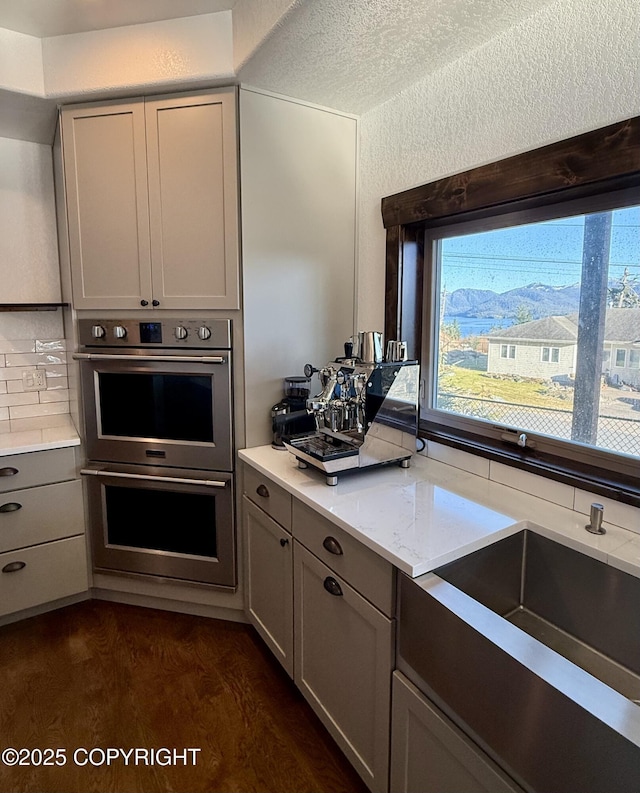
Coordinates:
<point>193,203</point>
<point>429,754</point>
<point>269,581</point>
<point>107,203</point>
<point>343,662</point>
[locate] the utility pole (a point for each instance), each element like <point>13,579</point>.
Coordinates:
<point>591,322</point>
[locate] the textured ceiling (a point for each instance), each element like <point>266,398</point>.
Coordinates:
<point>355,54</point>
<point>45,18</point>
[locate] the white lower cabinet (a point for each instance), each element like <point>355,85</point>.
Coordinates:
<point>42,574</point>
<point>324,605</point>
<point>429,754</point>
<point>343,663</point>
<point>43,555</point>
<point>269,567</point>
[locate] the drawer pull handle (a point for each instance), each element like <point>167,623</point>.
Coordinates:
<point>332,586</point>
<point>11,506</point>
<point>9,471</point>
<point>13,567</point>
<point>263,491</point>
<point>332,545</point>
<point>284,542</point>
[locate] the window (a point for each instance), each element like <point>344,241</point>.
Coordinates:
<point>634,359</point>
<point>551,354</point>
<point>525,233</point>
<point>621,359</point>
<point>508,351</point>
<point>555,279</point>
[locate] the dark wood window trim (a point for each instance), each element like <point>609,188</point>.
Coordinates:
<point>591,164</point>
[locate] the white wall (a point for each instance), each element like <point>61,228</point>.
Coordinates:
<point>185,52</point>
<point>21,63</point>
<point>298,189</point>
<point>572,67</point>
<point>28,237</point>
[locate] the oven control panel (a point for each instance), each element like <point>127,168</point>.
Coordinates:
<point>164,334</point>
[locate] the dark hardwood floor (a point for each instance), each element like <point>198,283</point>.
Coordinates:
<point>105,675</point>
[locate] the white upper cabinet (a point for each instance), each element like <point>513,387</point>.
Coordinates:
<point>152,202</point>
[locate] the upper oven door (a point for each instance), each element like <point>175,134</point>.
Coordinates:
<point>172,410</point>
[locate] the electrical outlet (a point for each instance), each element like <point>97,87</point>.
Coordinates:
<point>34,380</point>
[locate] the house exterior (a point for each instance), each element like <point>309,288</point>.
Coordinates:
<point>547,348</point>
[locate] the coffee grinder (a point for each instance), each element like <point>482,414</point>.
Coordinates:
<point>290,416</point>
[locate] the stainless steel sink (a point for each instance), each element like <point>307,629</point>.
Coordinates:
<point>533,648</point>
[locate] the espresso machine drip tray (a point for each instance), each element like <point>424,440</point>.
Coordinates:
<point>323,447</point>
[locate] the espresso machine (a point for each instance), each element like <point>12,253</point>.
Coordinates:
<point>366,413</point>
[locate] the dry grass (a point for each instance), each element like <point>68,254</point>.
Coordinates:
<point>538,393</point>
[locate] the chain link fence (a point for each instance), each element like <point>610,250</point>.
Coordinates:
<point>619,434</point>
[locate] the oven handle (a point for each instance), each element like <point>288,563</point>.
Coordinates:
<point>147,478</point>
<point>92,356</point>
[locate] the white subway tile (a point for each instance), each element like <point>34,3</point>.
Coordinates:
<point>540,486</point>
<point>471,463</point>
<point>29,411</point>
<point>55,370</point>
<point>11,400</point>
<point>15,386</point>
<point>4,414</point>
<point>51,358</point>
<point>55,395</point>
<point>50,345</point>
<point>3,362</point>
<point>5,426</point>
<point>614,511</point>
<point>57,383</point>
<point>39,422</point>
<point>22,359</point>
<point>13,373</point>
<point>17,345</point>
<point>3,387</point>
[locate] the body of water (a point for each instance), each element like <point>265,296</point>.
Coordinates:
<point>478,326</point>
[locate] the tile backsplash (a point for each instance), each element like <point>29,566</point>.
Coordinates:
<point>619,514</point>
<point>22,360</point>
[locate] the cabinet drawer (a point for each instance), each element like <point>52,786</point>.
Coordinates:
<point>18,471</point>
<point>367,572</point>
<point>46,572</point>
<point>272,498</point>
<point>40,514</point>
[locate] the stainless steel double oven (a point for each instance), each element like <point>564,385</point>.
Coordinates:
<point>159,437</point>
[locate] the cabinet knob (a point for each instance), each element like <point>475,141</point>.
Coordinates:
<point>13,567</point>
<point>263,491</point>
<point>332,586</point>
<point>332,545</point>
<point>11,506</point>
<point>144,302</point>
<point>284,542</point>
<point>155,302</point>
<point>9,471</point>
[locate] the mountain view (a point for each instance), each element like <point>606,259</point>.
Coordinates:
<point>540,300</point>
<point>479,310</point>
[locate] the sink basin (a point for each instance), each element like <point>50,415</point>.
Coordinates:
<point>533,648</point>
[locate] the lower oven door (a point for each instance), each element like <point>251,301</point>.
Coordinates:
<point>165,522</point>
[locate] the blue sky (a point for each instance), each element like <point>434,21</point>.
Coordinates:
<point>548,253</point>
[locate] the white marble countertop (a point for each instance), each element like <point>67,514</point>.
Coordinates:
<point>53,437</point>
<point>432,513</point>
